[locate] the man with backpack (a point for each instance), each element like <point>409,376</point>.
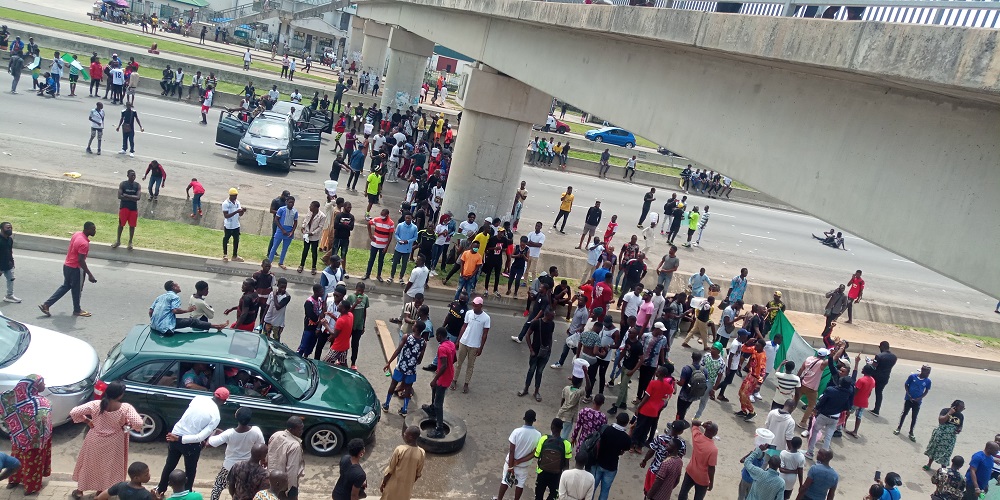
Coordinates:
<point>612,442</point>
<point>553,454</point>
<point>693,384</point>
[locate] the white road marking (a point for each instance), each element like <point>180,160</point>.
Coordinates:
<point>756,236</point>
<point>161,135</point>
<point>117,267</point>
<point>713,214</point>
<point>904,260</point>
<point>185,120</point>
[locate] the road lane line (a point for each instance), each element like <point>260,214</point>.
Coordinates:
<point>756,236</point>
<point>161,135</point>
<point>904,260</point>
<point>185,120</point>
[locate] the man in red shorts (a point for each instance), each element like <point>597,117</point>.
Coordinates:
<point>129,193</point>
<point>206,104</point>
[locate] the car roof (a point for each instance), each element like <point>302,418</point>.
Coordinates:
<point>227,345</point>
<point>285,108</point>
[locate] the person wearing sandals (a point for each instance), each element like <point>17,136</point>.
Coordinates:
<point>539,339</point>
<point>942,443</point>
<point>312,231</point>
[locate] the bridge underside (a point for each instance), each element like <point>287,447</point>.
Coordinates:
<point>837,126</point>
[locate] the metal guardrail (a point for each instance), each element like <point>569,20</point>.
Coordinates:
<point>966,13</point>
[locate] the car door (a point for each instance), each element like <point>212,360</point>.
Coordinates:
<point>229,131</point>
<point>269,403</point>
<point>618,137</point>
<point>305,147</point>
<point>152,389</point>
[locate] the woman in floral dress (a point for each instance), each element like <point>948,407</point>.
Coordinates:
<point>942,442</point>
<point>103,458</point>
<point>27,415</point>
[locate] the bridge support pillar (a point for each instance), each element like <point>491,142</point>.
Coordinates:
<point>374,48</point>
<point>353,50</point>
<point>489,154</point>
<point>408,55</point>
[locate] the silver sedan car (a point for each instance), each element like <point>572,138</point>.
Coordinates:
<point>68,364</point>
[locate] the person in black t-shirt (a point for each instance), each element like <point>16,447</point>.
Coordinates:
<point>453,323</point>
<point>631,355</point>
<point>129,193</point>
<point>614,442</point>
<point>883,362</point>
<point>540,347</point>
<point>352,480</point>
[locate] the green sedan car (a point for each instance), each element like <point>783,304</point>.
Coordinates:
<point>163,374</point>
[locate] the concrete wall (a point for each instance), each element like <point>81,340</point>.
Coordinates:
<point>850,122</point>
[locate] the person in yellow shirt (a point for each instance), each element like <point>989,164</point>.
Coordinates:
<point>438,127</point>
<point>421,128</point>
<point>565,207</point>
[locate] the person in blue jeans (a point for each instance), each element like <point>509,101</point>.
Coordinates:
<point>157,178</point>
<point>287,220</point>
<point>8,466</point>
<point>613,444</point>
<point>405,233</point>
<point>470,263</point>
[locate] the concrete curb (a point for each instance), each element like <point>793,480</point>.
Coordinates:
<point>916,355</point>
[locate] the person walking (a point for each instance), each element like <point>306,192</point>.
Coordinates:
<point>96,127</point>
<point>129,192</point>
<point>103,458</point>
<point>231,212</point>
<point>312,231</point>
<point>184,440</point>
<point>284,454</point>
<point>127,124</point>
<point>942,442</point>
<point>565,207</point>
<point>613,442</point>
<point>835,400</point>
<point>7,260</point>
<point>406,465</point>
<point>590,223</point>
<point>856,288</point>
<point>27,415</point>
<point>693,218</point>
<point>157,178</point>
<point>246,62</point>
<point>286,219</point>
<point>472,339</point>
<point>239,442</point>
<point>647,201</point>
<point>700,472</point>
<point>74,270</point>
<point>553,454</point>
<point>917,386</point>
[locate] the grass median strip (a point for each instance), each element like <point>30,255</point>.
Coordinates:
<point>166,47</point>
<point>49,220</point>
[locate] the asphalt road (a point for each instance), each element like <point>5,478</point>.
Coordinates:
<point>123,293</point>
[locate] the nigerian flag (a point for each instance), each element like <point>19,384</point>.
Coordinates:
<point>793,347</point>
<point>76,64</point>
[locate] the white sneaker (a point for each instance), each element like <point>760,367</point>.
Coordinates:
<point>12,299</point>
<point>804,434</point>
<point>434,273</point>
<point>515,339</point>
<point>131,155</point>
<point>753,399</point>
<point>555,365</point>
<point>758,396</point>
<point>122,152</point>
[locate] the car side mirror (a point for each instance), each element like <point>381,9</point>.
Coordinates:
<point>276,397</point>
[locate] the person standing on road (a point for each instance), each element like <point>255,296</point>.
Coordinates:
<point>883,363</point>
<point>195,426</point>
<point>239,441</point>
<point>206,102</point>
<point>565,207</point>
<point>405,233</point>
<point>977,477</point>
<point>358,302</point>
<point>96,127</point>
<point>668,266</point>
<point>523,442</point>
<point>539,339</point>
<point>406,465</point>
<point>470,263</point>
<point>821,480</point>
<point>129,192</point>
<point>74,270</point>
<point>703,221</point>
<point>700,472</point>
<point>380,231</point>
<point>312,231</point>
<point>286,219</point>
<point>127,124</point>
<point>284,454</point>
<point>942,442</point>
<point>343,225</point>
<point>28,416</point>
<point>856,288</point>
<point>231,212</point>
<point>444,376</point>
<point>472,339</point>
<point>835,400</point>
<point>102,458</point>
<point>246,67</point>
<point>591,221</point>
<point>647,201</point>
<point>15,67</point>
<point>553,454</point>
<point>917,386</point>
<point>7,260</point>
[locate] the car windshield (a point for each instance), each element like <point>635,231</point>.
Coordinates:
<point>14,340</point>
<point>297,376</point>
<point>269,129</point>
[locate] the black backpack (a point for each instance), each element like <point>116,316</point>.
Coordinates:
<point>552,457</point>
<point>697,383</point>
<point>592,444</point>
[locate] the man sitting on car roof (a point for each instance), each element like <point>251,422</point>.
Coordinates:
<point>163,313</point>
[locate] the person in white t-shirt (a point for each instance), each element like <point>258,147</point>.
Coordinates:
<point>471,341</point>
<point>231,212</point>
<point>519,456</point>
<point>536,239</point>
<point>277,302</point>
<point>416,285</point>
<point>732,363</point>
<point>781,423</point>
<point>206,104</point>
<point>239,441</point>
<point>296,97</point>
<point>792,459</point>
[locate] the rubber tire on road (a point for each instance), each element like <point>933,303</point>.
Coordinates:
<point>158,428</point>
<point>452,442</point>
<point>307,440</point>
<point>598,139</point>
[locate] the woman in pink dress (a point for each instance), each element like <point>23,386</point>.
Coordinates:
<point>103,458</point>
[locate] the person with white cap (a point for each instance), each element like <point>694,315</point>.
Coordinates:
<point>231,212</point>
<point>811,374</point>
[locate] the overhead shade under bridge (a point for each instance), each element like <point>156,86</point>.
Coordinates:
<point>192,3</point>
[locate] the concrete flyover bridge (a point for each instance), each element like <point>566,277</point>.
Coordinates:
<point>890,131</point>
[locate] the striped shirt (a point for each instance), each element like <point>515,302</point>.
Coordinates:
<point>381,231</point>
<point>787,383</point>
<point>704,220</point>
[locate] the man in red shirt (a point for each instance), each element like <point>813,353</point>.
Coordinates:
<point>443,377</point>
<point>856,288</point>
<point>700,472</point>
<point>74,268</point>
<point>341,336</point>
<point>862,392</point>
<point>380,231</point>
<point>654,399</point>
<point>603,295</point>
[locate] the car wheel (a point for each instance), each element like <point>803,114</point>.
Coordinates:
<point>598,139</point>
<point>287,167</point>
<point>152,427</point>
<point>454,432</point>
<point>629,145</point>
<point>562,130</point>
<point>324,440</point>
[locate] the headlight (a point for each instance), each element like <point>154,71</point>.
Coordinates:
<point>282,152</point>
<point>246,147</point>
<point>71,388</point>
<point>367,418</point>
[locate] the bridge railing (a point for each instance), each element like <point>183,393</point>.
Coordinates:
<point>968,13</point>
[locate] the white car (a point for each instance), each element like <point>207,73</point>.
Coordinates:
<point>68,365</point>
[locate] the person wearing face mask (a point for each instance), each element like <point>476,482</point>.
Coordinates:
<point>470,264</point>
